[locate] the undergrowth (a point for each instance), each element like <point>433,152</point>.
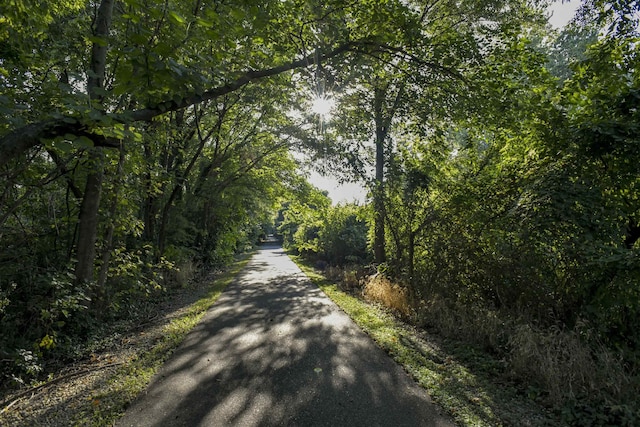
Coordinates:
<point>134,377</point>
<point>493,360</point>
<point>582,380</point>
<point>459,377</point>
<point>109,397</point>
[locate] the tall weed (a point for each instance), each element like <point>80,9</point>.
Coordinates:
<point>380,289</point>
<point>568,369</point>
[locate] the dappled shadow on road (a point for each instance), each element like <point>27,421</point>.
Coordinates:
<point>275,351</point>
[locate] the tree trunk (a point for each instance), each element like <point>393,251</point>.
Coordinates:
<point>378,193</point>
<point>413,296</point>
<point>632,234</point>
<point>149,209</point>
<point>88,220</point>
<point>181,178</point>
<point>108,240</point>
<point>382,120</point>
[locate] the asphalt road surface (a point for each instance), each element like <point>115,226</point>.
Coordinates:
<point>275,351</point>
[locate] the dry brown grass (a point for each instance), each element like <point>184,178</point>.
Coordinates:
<point>565,365</point>
<point>380,289</point>
<point>562,364</point>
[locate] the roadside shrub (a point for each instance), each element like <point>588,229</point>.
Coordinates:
<point>185,265</point>
<point>351,278</point>
<point>337,235</point>
<point>53,307</point>
<point>566,366</point>
<point>570,369</point>
<point>343,236</point>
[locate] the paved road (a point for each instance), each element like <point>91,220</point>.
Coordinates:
<point>275,351</point>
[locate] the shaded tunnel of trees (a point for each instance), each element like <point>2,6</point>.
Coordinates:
<point>141,140</point>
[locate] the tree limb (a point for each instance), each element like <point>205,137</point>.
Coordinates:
<point>20,140</point>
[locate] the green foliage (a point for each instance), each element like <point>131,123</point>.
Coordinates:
<point>509,177</point>
<point>299,221</point>
<point>55,308</point>
<point>343,235</point>
<point>312,227</point>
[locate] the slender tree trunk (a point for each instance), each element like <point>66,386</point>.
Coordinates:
<point>632,234</point>
<point>108,240</point>
<point>181,179</point>
<point>382,120</point>
<point>149,209</point>
<point>378,193</point>
<point>88,220</point>
<point>164,222</point>
<point>413,296</point>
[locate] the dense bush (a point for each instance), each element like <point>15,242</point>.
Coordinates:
<point>334,234</point>
<point>520,232</point>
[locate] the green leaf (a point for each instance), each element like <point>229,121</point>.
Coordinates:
<point>83,142</point>
<point>173,16</point>
<point>64,146</point>
<point>204,22</point>
<point>100,41</point>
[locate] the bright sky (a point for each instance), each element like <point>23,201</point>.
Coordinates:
<point>562,12</point>
<point>339,193</point>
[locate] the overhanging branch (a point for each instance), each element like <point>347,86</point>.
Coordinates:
<point>20,140</point>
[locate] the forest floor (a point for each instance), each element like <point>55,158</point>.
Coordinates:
<point>96,389</point>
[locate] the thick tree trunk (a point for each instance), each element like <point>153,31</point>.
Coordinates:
<point>88,220</point>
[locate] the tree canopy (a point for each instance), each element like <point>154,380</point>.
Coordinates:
<point>143,139</point>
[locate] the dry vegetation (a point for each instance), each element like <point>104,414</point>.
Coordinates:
<point>567,371</point>
<point>380,289</point>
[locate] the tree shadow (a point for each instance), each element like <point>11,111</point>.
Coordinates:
<point>274,350</point>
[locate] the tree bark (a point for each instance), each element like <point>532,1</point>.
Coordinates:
<point>89,209</point>
<point>88,220</point>
<point>632,234</point>
<point>378,194</point>
<point>181,179</point>
<point>382,120</point>
<point>149,209</point>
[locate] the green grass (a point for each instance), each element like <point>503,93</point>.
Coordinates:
<point>460,378</point>
<point>105,407</point>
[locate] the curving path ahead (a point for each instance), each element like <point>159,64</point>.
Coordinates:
<point>275,351</point>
